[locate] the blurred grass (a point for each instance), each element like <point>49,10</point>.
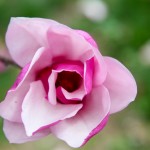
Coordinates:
<point>121,35</point>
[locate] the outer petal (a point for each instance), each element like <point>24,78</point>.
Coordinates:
<point>100,66</point>
<point>100,71</point>
<point>25,36</point>
<point>21,77</point>
<point>97,129</point>
<point>121,85</point>
<point>66,43</point>
<point>88,37</point>
<point>34,119</point>
<point>15,133</point>
<point>77,130</point>
<point>10,108</point>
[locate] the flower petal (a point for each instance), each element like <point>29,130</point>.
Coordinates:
<point>72,66</point>
<point>120,84</point>
<point>78,129</point>
<point>88,37</point>
<point>100,69</point>
<point>10,108</point>
<point>52,89</point>
<point>88,74</point>
<point>21,77</point>
<point>70,98</point>
<point>25,36</point>
<point>97,129</point>
<point>100,66</point>
<point>75,95</point>
<point>15,133</point>
<point>67,44</point>
<point>34,120</point>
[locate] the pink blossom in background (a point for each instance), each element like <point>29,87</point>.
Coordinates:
<point>66,87</point>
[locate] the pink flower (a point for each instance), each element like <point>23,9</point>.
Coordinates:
<point>66,87</point>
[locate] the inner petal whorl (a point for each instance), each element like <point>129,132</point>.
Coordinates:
<point>70,81</point>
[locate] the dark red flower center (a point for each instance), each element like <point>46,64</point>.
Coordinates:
<point>70,81</point>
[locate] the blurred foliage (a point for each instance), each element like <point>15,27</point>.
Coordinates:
<point>121,35</point>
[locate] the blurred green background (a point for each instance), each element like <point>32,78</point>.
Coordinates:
<point>122,30</point>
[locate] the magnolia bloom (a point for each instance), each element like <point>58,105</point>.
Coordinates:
<point>66,87</point>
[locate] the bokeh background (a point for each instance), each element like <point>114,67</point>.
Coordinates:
<point>122,30</point>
